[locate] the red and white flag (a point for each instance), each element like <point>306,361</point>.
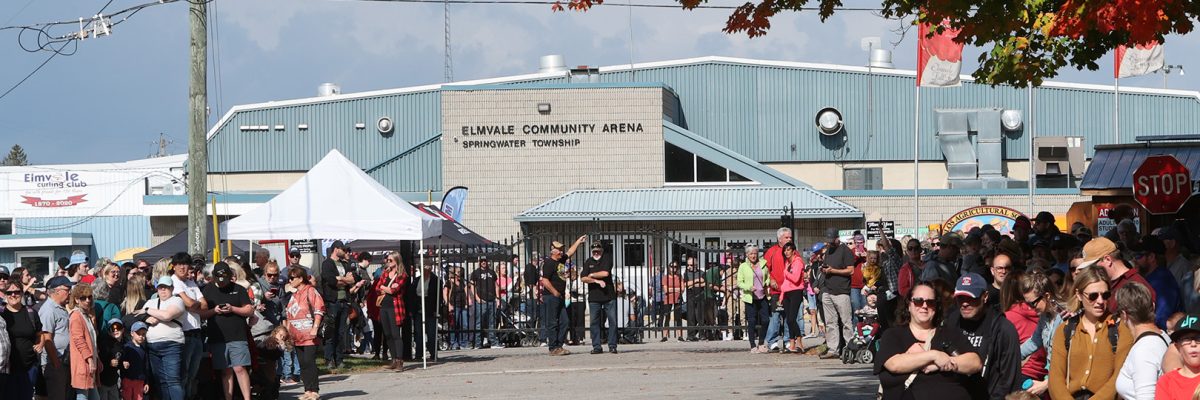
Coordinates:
<point>1140,60</point>
<point>939,58</point>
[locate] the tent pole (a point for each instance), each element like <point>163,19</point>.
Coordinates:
<point>424,354</point>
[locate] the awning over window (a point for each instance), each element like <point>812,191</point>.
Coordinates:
<point>1112,167</point>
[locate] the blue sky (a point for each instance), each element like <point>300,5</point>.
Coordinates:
<point>110,101</point>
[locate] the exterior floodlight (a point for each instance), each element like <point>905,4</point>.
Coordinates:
<point>1011,119</point>
<point>384,125</point>
<point>829,121</point>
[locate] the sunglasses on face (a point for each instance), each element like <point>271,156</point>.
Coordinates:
<point>13,292</point>
<point>920,302</point>
<point>1034,303</point>
<point>85,298</point>
<point>272,275</point>
<point>1002,267</point>
<point>1094,295</point>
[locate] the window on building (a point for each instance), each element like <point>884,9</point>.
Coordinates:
<point>6,226</point>
<point>862,179</point>
<point>684,167</point>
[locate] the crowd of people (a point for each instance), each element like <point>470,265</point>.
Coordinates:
<point>977,314</point>
<point>1041,313</point>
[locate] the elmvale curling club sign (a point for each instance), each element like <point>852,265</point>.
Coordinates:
<point>535,135</point>
<point>54,189</point>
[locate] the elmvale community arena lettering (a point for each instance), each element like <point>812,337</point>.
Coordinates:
<point>552,129</point>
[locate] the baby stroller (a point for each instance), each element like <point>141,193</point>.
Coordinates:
<point>519,328</point>
<point>861,348</point>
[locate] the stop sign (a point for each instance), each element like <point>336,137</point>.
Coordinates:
<point>1162,184</point>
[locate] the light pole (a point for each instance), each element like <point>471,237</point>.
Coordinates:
<point>1167,69</point>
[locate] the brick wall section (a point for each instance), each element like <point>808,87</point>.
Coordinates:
<point>936,209</point>
<point>506,181</point>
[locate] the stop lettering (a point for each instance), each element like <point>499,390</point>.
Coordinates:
<point>1162,185</point>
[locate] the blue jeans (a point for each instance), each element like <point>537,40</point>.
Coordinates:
<point>165,363</point>
<point>193,352</point>
<point>87,394</point>
<point>462,338</point>
<point>335,343</point>
<point>857,301</point>
<point>556,321</point>
<point>609,308</point>
<point>289,365</point>
<point>777,329</point>
<point>485,321</point>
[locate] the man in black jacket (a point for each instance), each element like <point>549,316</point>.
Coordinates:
<point>426,289</point>
<point>337,276</point>
<point>992,335</point>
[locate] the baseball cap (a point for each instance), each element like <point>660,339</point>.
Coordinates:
<point>970,284</point>
<point>1189,323</point>
<point>116,321</point>
<point>78,258</point>
<point>1022,222</point>
<point>198,259</point>
<point>165,281</point>
<point>818,247</point>
<point>557,245</point>
<point>831,233</point>
<point>3,270</point>
<point>951,239</point>
<point>1168,234</point>
<point>597,246</point>
<point>1096,249</point>
<point>138,326</point>
<point>294,253</point>
<point>1150,244</point>
<point>1044,216</point>
<point>338,244</point>
<point>221,273</point>
<point>58,281</point>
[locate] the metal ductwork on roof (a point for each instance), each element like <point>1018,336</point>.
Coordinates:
<point>966,170</point>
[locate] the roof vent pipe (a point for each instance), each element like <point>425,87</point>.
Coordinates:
<point>328,89</point>
<point>552,63</point>
<point>881,58</point>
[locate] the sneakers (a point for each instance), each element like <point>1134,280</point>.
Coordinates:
<point>597,351</point>
<point>559,352</point>
<point>664,339</point>
<point>498,346</point>
<point>612,350</point>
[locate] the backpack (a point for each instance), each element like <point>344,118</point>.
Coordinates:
<point>1073,322</point>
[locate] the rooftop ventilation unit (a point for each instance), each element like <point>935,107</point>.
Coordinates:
<point>585,74</point>
<point>328,89</point>
<point>552,63</point>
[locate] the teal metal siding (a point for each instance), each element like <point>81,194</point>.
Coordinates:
<point>688,204</point>
<point>109,234</point>
<point>759,111</point>
<point>330,126</point>
<point>418,169</point>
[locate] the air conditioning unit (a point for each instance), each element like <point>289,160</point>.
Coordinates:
<point>1056,156</point>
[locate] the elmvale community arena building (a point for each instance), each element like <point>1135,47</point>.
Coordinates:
<point>710,147</point>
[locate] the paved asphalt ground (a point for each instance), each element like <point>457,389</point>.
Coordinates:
<point>703,370</point>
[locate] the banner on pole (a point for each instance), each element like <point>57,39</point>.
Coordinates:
<point>939,58</point>
<point>452,202</point>
<point>1138,60</point>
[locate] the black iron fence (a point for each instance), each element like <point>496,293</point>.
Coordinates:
<point>490,295</point>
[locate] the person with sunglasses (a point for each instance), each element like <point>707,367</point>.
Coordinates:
<point>1103,253</point>
<point>22,328</point>
<point>1087,354</point>
<point>992,335</point>
<point>1183,383</point>
<point>1142,368</point>
<point>1032,310</point>
<point>919,360</point>
<point>85,365</point>
<point>305,310</point>
<point>910,270</point>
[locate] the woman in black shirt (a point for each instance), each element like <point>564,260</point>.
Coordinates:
<point>456,292</point>
<point>919,360</point>
<point>23,331</point>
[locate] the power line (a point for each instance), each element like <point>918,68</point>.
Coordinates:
<point>634,5</point>
<point>35,70</point>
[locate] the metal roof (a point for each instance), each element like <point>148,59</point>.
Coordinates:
<point>726,158</point>
<point>760,109</point>
<point>692,204</point>
<point>1112,167</point>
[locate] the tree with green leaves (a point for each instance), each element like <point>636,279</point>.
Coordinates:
<point>16,157</point>
<point>1030,39</point>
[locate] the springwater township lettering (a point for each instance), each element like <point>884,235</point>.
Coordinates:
<point>540,129</point>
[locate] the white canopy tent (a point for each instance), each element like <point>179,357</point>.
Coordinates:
<point>335,199</point>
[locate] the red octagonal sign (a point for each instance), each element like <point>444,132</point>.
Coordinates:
<point>1162,184</point>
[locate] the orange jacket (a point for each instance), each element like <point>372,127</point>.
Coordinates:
<point>83,347</point>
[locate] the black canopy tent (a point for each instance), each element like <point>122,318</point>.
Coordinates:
<point>178,243</point>
<point>454,235</point>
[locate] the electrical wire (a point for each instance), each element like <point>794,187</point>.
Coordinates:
<point>35,71</point>
<point>633,5</point>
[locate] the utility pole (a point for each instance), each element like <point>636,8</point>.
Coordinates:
<point>197,171</point>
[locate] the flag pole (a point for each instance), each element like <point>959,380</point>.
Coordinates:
<point>1116,109</point>
<point>916,161</point>
<point>1032,148</point>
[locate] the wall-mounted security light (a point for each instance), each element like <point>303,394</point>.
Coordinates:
<point>543,108</point>
<point>829,121</point>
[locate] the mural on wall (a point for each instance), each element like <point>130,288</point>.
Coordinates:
<point>1001,218</point>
